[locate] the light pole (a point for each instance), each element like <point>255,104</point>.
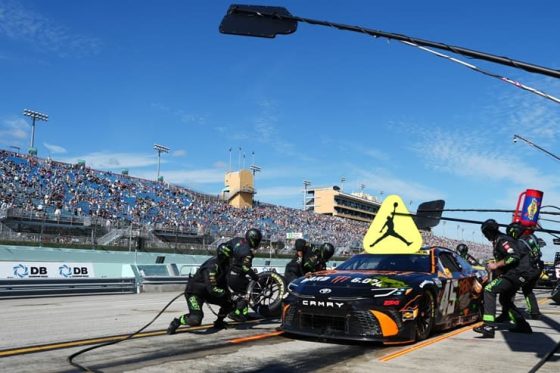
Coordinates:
<point>306,185</point>
<point>160,149</point>
<point>34,116</point>
<point>516,137</point>
<point>342,180</point>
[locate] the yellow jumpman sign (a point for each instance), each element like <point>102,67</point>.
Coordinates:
<point>391,232</point>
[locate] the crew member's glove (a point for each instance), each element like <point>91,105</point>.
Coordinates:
<point>253,275</point>
<point>218,292</point>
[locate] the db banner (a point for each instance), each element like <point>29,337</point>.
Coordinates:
<point>24,270</point>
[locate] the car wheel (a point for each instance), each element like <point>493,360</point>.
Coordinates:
<point>265,295</point>
<point>425,318</point>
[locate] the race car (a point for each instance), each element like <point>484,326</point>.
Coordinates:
<point>386,297</point>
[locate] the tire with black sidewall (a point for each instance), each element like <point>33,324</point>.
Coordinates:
<point>265,297</point>
<point>426,315</point>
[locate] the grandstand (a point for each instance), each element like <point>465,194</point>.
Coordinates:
<point>46,200</point>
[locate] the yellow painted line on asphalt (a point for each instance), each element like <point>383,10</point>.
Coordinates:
<point>91,341</point>
<point>428,342</point>
<point>544,300</point>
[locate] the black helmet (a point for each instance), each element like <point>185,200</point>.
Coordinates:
<point>326,251</point>
<point>254,237</point>
<point>515,230</point>
<point>223,253</point>
<point>462,249</point>
<point>490,229</point>
<point>300,244</point>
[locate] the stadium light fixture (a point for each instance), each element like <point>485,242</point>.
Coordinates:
<point>160,149</point>
<point>269,21</point>
<point>35,116</point>
<point>516,137</point>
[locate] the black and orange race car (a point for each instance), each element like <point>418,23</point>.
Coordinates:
<point>385,297</point>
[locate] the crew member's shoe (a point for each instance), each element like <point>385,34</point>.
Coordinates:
<point>220,324</point>
<point>237,317</point>
<point>172,329</point>
<point>486,330</point>
<point>504,317</point>
<point>521,328</point>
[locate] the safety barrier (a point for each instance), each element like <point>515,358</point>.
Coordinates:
<point>57,287</point>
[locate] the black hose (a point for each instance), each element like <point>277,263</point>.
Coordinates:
<point>86,369</point>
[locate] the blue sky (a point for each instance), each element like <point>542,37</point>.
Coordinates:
<point>117,76</point>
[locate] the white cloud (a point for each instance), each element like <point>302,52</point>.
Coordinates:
<point>14,131</point>
<point>54,149</point>
<point>190,177</point>
<point>179,153</point>
<point>108,160</point>
<point>22,24</point>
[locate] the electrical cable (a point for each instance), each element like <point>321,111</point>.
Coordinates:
<point>86,369</point>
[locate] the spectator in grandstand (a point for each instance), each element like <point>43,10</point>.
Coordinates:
<point>207,285</point>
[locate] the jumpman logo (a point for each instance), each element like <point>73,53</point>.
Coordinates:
<point>391,228</point>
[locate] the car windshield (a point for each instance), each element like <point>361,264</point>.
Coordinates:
<point>388,262</point>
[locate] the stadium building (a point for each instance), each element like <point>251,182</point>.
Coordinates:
<point>334,202</point>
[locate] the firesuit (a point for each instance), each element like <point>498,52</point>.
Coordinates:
<point>241,271</point>
<point>513,270</point>
<point>207,285</point>
<point>529,244</point>
<point>294,268</point>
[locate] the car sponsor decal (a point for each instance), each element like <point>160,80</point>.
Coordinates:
<point>322,304</point>
<point>393,230</point>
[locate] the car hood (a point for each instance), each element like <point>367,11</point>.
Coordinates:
<point>356,283</point>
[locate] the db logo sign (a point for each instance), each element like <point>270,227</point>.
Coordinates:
<point>67,271</point>
<point>23,271</point>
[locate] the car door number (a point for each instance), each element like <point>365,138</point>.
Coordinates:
<point>449,298</point>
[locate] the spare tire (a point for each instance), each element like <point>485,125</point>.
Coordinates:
<point>266,294</point>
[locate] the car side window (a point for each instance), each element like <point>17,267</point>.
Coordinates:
<point>447,261</point>
<point>467,267</point>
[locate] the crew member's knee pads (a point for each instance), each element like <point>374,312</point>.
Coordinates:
<point>194,319</point>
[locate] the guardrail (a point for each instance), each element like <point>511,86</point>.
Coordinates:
<point>56,287</point>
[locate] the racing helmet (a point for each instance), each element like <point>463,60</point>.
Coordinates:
<point>490,229</point>
<point>253,237</point>
<point>300,244</point>
<point>462,249</point>
<point>515,230</point>
<point>326,251</point>
<point>223,253</point>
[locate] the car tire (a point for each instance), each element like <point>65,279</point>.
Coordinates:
<point>265,296</point>
<point>426,315</point>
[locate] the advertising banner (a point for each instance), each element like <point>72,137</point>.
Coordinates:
<point>26,270</point>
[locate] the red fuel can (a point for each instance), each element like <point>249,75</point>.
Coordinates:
<point>530,203</point>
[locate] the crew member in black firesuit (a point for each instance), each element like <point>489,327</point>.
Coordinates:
<point>294,268</point>
<point>529,242</point>
<point>207,285</point>
<point>463,251</point>
<point>326,251</point>
<point>241,271</point>
<point>512,270</point>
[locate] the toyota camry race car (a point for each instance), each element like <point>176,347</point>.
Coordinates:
<point>386,297</point>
